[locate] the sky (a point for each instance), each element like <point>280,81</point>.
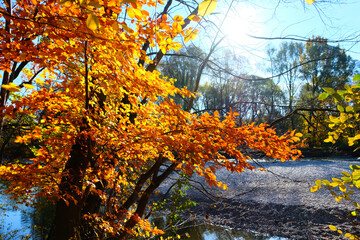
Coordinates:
<point>286,18</point>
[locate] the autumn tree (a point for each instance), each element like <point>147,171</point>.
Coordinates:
<point>107,130</point>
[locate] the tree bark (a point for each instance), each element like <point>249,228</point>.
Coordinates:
<point>67,219</point>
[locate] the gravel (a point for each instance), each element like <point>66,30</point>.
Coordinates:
<point>278,201</point>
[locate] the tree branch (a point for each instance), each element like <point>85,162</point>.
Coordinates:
<point>301,109</point>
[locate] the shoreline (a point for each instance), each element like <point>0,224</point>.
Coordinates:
<point>275,220</point>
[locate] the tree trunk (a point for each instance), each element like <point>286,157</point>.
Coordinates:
<point>67,220</point>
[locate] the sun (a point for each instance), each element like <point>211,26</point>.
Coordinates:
<point>242,22</point>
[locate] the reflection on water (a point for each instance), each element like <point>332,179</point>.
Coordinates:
<point>18,221</point>
<point>209,232</point>
<point>194,231</point>
<point>14,222</point>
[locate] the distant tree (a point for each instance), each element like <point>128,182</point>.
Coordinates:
<point>254,100</point>
<point>184,67</point>
<point>324,66</point>
<point>221,75</point>
<point>263,98</point>
<point>285,63</point>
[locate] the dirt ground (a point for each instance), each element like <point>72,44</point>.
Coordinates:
<point>277,202</point>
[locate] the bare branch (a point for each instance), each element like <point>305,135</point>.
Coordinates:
<point>301,109</point>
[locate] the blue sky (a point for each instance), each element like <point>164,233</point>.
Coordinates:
<point>289,18</point>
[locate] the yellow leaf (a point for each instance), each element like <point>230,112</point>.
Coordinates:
<point>138,12</point>
<point>163,49</point>
<point>207,7</point>
<point>310,1</point>
<point>348,235</point>
<point>115,26</point>
<point>191,36</point>
<point>11,87</point>
<point>126,28</point>
<point>349,109</point>
<point>66,3</point>
<point>94,4</point>
<point>314,189</point>
<point>28,86</point>
<point>334,184</point>
<point>336,180</point>
<point>295,139</point>
<point>131,13</point>
<point>19,139</point>
<point>342,188</point>
<point>179,18</point>
<point>357,137</point>
<point>38,81</point>
<point>334,119</point>
<point>343,118</point>
<point>298,135</point>
<point>92,22</point>
<point>329,139</point>
<point>195,18</point>
<point>333,228</point>
<point>129,1</point>
<point>338,198</point>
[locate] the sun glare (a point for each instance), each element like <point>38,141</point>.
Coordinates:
<point>241,22</point>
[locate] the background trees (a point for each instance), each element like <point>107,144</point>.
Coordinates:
<point>326,67</point>
<point>184,67</point>
<point>299,74</point>
<point>255,100</point>
<point>286,64</point>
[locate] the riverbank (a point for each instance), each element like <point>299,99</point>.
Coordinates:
<point>289,221</point>
<point>276,202</point>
